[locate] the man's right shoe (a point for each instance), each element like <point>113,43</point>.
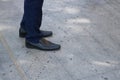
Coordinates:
<point>22,33</point>
<point>43,45</point>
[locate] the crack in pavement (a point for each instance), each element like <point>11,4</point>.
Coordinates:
<point>12,57</point>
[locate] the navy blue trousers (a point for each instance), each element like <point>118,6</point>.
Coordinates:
<point>32,19</point>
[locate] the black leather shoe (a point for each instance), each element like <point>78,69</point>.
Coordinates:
<point>22,33</point>
<point>43,45</point>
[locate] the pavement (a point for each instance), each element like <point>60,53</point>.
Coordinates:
<point>88,31</point>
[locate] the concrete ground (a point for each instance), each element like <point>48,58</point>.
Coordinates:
<point>88,31</point>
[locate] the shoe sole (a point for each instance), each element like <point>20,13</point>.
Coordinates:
<point>34,47</point>
<point>23,35</point>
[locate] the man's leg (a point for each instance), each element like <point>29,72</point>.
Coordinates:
<point>38,20</point>
<point>22,24</point>
<point>31,23</point>
<point>32,19</point>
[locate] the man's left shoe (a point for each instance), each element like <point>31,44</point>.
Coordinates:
<point>22,33</point>
<point>43,44</point>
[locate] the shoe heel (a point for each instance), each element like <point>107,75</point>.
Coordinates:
<point>29,45</point>
<point>22,33</point>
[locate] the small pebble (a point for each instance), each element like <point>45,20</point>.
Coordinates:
<point>11,71</point>
<point>48,61</point>
<point>105,78</point>
<point>3,74</point>
<point>71,59</point>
